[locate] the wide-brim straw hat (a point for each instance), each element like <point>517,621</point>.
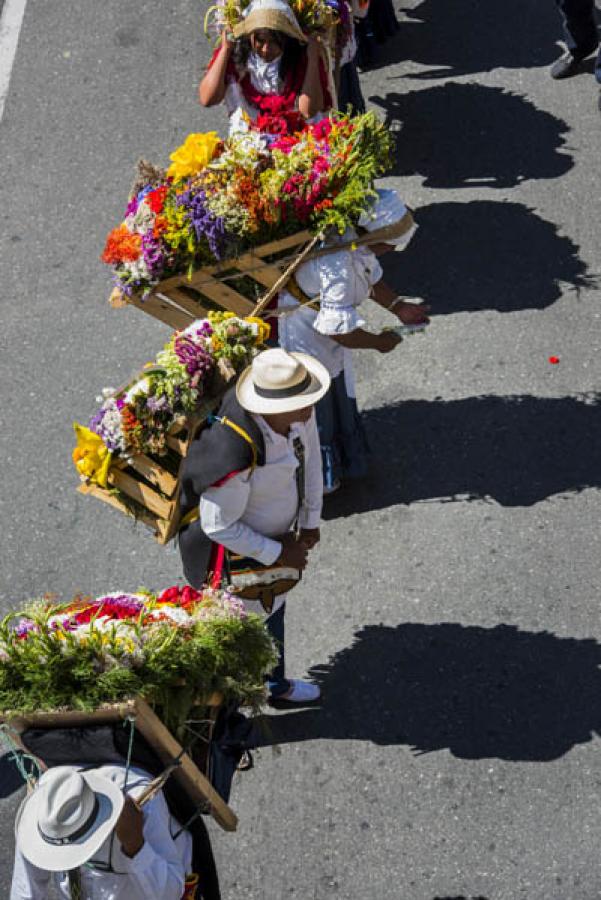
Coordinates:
<point>275,15</point>
<point>67,818</point>
<point>280,382</point>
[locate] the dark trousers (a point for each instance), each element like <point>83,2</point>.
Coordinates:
<point>580,28</point>
<point>277,682</point>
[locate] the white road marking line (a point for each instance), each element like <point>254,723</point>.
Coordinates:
<point>10,28</point>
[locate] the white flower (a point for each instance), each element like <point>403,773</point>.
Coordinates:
<point>140,387</point>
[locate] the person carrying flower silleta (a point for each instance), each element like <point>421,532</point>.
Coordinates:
<point>271,73</point>
<point>318,314</point>
<point>82,830</point>
<point>251,494</point>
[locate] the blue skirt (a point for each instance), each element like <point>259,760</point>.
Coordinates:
<point>344,446</point>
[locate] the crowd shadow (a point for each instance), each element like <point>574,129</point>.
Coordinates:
<point>454,39</point>
<point>472,135</point>
<point>489,255</point>
<point>477,692</point>
<point>515,450</point>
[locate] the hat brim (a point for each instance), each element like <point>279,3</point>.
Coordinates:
<point>62,857</point>
<point>252,402</point>
<point>272,19</point>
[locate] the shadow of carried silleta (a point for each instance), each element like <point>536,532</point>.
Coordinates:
<point>489,255</point>
<point>465,37</point>
<point>471,135</point>
<point>477,692</point>
<point>516,450</point>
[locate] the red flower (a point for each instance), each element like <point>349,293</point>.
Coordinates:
<point>156,199</point>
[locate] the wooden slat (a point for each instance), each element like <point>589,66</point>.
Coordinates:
<point>293,240</point>
<point>176,444</point>
<point>190,304</point>
<point>152,471</point>
<point>93,490</point>
<point>141,493</point>
<point>265,274</point>
<point>224,295</point>
<point>163,311</point>
<point>199,788</point>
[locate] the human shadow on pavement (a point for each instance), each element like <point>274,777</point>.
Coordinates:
<point>489,255</point>
<point>454,39</point>
<point>477,692</point>
<point>515,450</point>
<point>471,135</point>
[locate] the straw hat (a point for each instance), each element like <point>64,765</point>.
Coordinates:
<point>67,818</point>
<point>275,15</point>
<point>278,381</point>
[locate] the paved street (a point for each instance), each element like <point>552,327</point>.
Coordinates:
<point>451,613</point>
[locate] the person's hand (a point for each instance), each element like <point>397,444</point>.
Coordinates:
<point>130,827</point>
<point>227,40</point>
<point>386,341</point>
<point>294,553</point>
<point>412,313</point>
<point>309,537</point>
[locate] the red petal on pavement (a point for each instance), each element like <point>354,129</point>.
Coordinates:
<point>554,360</point>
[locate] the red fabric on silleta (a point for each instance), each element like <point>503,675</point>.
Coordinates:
<point>225,478</point>
<point>216,563</point>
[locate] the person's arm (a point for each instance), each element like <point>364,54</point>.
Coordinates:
<point>154,861</point>
<point>211,89</point>
<point>359,339</point>
<point>310,513</point>
<point>408,313</point>
<point>222,507</point>
<point>29,882</point>
<point>310,100</point>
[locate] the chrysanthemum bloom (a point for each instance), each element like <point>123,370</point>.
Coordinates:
<point>121,246</point>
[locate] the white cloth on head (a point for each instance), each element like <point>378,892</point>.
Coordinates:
<point>249,510</point>
<point>157,872</point>
<point>387,209</point>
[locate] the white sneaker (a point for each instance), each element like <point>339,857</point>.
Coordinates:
<point>300,692</point>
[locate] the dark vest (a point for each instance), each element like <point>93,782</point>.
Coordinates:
<point>217,452</point>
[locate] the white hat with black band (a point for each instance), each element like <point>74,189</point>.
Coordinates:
<point>67,818</point>
<point>279,381</point>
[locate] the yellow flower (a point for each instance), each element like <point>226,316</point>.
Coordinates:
<point>263,328</point>
<point>91,456</point>
<point>195,154</point>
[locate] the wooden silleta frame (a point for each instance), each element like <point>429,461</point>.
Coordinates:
<point>198,787</point>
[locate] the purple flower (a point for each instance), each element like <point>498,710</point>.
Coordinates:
<point>203,221</point>
<point>24,627</point>
<point>153,254</point>
<point>132,207</point>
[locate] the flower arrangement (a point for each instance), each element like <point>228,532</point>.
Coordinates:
<point>311,15</point>
<point>138,418</point>
<point>218,199</point>
<point>174,648</point>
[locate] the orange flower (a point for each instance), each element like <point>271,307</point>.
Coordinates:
<point>121,246</point>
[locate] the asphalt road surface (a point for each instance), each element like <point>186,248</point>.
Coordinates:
<point>451,611</point>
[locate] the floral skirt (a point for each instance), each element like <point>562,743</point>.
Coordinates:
<point>344,446</point>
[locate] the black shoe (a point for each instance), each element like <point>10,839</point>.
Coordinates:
<point>568,64</point>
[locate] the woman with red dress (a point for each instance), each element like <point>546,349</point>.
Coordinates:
<point>271,72</point>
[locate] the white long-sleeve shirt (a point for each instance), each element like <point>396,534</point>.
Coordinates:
<point>157,872</point>
<point>248,510</point>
